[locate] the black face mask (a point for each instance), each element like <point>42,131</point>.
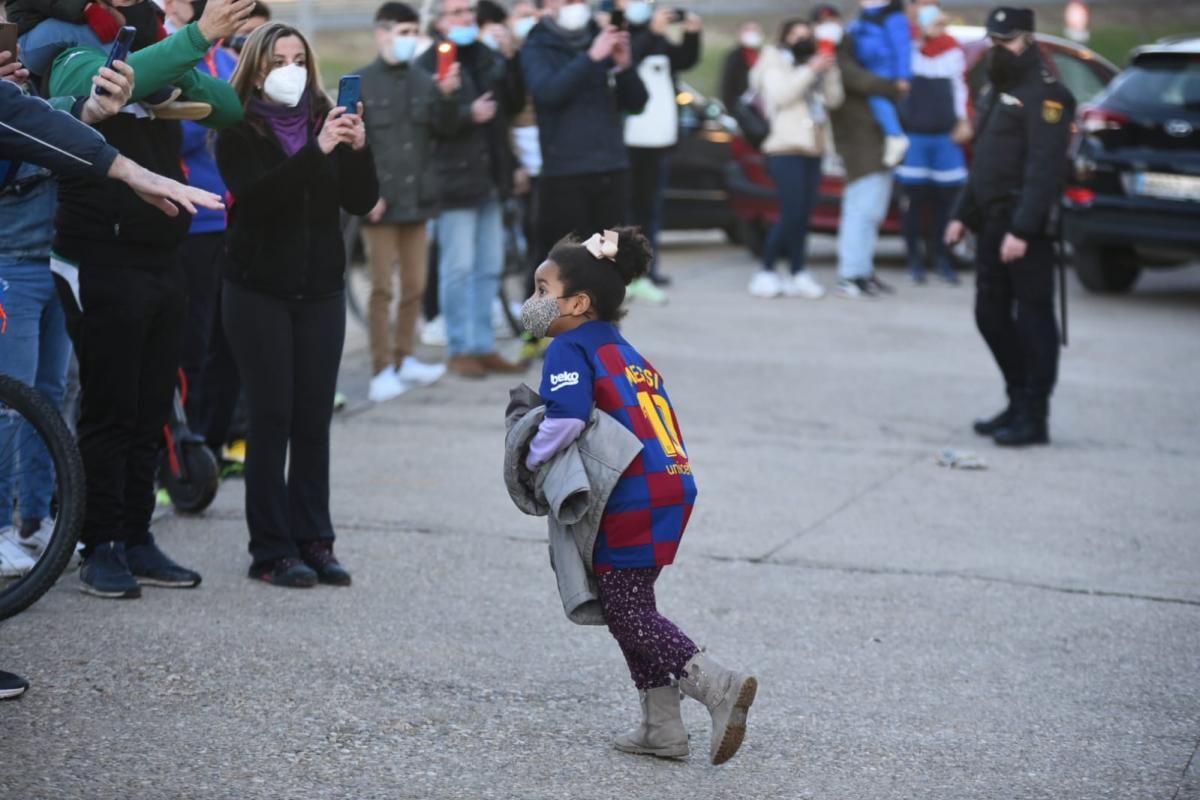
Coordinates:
<point>1004,66</point>
<point>803,50</point>
<point>144,17</point>
<point>237,42</point>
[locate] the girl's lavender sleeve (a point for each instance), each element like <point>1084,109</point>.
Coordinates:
<point>553,434</point>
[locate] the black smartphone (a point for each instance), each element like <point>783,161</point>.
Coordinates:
<point>349,93</point>
<point>679,15</point>
<point>119,51</point>
<point>8,38</point>
<point>617,19</point>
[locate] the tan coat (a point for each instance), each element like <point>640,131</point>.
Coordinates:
<point>795,99</point>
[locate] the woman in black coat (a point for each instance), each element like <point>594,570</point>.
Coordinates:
<point>291,166</point>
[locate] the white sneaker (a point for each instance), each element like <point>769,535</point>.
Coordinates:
<point>803,285</point>
<point>644,289</point>
<point>433,333</point>
<point>766,284</point>
<point>36,544</point>
<point>417,373</point>
<point>895,148</point>
<point>15,560</point>
<point>385,386</point>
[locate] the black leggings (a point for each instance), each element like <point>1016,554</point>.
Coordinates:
<point>288,352</point>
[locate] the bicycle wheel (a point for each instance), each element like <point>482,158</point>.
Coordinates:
<point>33,433</point>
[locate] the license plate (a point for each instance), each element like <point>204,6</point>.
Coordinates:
<point>1167,186</point>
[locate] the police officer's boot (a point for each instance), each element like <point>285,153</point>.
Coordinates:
<point>988,427</point>
<point>1028,425</point>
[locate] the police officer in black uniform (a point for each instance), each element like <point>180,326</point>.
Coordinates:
<point>1010,203</point>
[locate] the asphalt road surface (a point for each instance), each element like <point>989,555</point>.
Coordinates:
<point>1030,630</point>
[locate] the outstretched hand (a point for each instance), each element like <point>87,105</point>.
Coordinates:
<point>163,193</point>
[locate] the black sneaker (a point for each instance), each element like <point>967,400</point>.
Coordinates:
<point>151,567</point>
<point>12,685</point>
<point>290,572</point>
<point>105,573</point>
<point>878,286</point>
<point>319,556</point>
<point>661,281</point>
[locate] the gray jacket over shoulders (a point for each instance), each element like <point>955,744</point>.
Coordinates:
<point>571,490</point>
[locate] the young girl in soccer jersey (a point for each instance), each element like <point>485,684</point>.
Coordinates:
<point>577,301</point>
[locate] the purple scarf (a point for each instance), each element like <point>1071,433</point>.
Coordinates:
<point>292,126</point>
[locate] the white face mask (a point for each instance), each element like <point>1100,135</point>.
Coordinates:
<point>286,85</point>
<point>523,26</point>
<point>752,40</point>
<point>574,17</point>
<point>639,12</point>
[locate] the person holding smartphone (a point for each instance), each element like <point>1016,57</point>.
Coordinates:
<point>292,166</point>
<point>406,108</point>
<point>117,273</point>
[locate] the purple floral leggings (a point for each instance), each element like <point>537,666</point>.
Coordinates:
<point>655,650</point>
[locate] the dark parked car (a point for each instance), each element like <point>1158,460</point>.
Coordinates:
<point>696,196</point>
<point>1134,193</point>
<point>1081,70</point>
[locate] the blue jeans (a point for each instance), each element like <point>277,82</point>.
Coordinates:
<point>797,181</point>
<point>34,350</point>
<point>470,258</point>
<point>886,115</point>
<point>40,46</point>
<point>864,207</point>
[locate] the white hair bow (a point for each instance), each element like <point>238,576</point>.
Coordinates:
<point>603,245</point>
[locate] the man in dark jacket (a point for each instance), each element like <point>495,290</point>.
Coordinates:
<point>405,109</point>
<point>118,275</point>
<point>581,81</point>
<point>735,74</point>
<point>1012,194</point>
<point>474,173</point>
<point>653,133</point>
<point>859,141</point>
<point>34,132</point>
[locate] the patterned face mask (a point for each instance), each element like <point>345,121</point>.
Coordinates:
<point>538,314</point>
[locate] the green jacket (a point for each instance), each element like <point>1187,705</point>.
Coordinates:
<point>171,62</point>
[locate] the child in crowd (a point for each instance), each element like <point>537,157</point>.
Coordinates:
<point>883,44</point>
<point>577,301</point>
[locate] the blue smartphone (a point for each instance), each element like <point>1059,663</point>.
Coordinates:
<point>349,93</point>
<point>119,51</point>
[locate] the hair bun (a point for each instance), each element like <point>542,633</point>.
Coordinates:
<point>634,254</point>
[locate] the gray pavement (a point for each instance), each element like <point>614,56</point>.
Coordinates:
<point>1031,630</point>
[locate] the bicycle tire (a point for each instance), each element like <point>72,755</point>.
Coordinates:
<point>68,467</point>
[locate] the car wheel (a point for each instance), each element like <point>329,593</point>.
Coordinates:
<point>1111,270</point>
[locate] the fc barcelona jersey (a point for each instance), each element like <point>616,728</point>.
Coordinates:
<point>651,504</point>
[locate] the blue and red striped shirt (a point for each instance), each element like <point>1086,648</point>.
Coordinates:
<point>649,509</point>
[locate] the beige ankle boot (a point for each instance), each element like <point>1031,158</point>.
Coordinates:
<point>661,733</point>
<point>728,696</point>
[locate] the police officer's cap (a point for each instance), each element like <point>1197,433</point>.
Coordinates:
<point>1006,22</point>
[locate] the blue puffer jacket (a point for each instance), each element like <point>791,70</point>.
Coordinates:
<point>579,106</point>
<point>884,38</point>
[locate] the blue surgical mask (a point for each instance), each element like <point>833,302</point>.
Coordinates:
<point>639,12</point>
<point>404,48</point>
<point>523,26</point>
<point>490,41</point>
<point>464,35</point>
<point>927,16</point>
